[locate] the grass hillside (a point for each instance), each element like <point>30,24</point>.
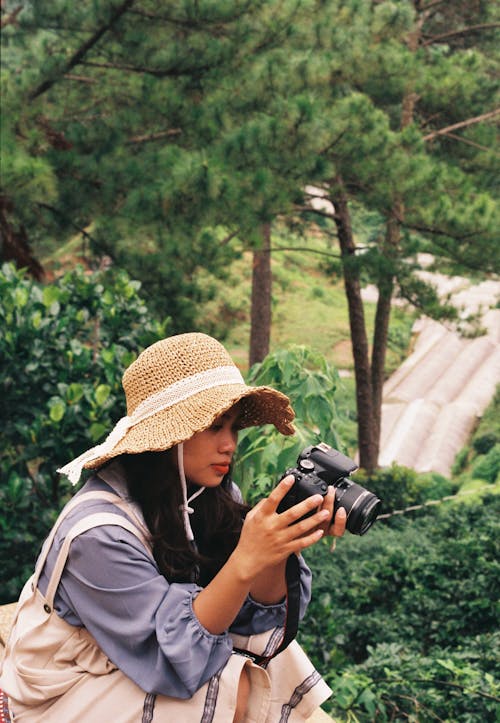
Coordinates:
<point>308,307</point>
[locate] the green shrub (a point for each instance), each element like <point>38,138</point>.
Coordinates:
<point>487,466</point>
<point>311,382</point>
<point>399,486</point>
<point>422,583</point>
<point>453,684</point>
<point>484,442</point>
<point>63,348</point>
<point>480,459</point>
<point>461,461</point>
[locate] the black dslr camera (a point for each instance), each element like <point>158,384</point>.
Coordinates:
<point>319,466</point>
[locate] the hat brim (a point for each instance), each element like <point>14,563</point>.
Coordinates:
<point>171,426</point>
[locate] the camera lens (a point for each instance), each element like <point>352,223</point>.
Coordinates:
<point>360,505</point>
<point>363,514</point>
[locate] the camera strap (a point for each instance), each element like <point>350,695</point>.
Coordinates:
<point>292,576</point>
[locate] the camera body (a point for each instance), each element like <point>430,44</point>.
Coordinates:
<point>319,466</point>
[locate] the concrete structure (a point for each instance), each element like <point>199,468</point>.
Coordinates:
<point>433,402</point>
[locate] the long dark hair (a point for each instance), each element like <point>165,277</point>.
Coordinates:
<point>153,482</point>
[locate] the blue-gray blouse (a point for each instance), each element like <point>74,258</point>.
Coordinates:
<point>145,625</point>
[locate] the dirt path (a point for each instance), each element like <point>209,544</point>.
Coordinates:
<point>433,401</point>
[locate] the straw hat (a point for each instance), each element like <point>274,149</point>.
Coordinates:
<point>175,388</point>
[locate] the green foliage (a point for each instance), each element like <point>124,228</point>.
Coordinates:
<point>484,442</point>
<point>487,466</point>
<point>480,459</point>
<point>489,427</point>
<point>455,684</point>
<point>168,139</point>
<point>399,486</point>
<point>460,460</point>
<point>399,338</point>
<point>63,347</point>
<point>409,604</point>
<point>310,382</point>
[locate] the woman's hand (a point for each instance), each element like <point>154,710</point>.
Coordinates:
<point>268,538</point>
<point>257,564</point>
<point>337,527</point>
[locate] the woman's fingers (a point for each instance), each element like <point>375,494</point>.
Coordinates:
<point>270,503</point>
<point>329,499</point>
<point>296,528</point>
<point>339,523</point>
<point>307,540</point>
<point>307,506</point>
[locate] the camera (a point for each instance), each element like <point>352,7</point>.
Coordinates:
<point>319,466</point>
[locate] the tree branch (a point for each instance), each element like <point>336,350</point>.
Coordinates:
<point>79,78</point>
<point>463,124</point>
<point>434,231</point>
<point>229,237</point>
<point>11,18</point>
<point>317,211</point>
<point>431,5</point>
<point>305,249</point>
<point>472,143</point>
<point>462,31</point>
<point>449,252</point>
<point>78,56</point>
<point>155,72</point>
<point>136,140</point>
<point>62,215</point>
<point>192,24</point>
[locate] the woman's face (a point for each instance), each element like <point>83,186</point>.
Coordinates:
<point>208,454</point>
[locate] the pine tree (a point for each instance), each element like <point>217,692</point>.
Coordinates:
<point>158,123</point>
<point>160,127</point>
<point>415,129</point>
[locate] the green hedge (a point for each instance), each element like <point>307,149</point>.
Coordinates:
<point>415,598</point>
<point>63,349</point>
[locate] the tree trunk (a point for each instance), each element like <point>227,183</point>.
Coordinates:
<point>14,243</point>
<point>389,250</point>
<point>260,318</point>
<point>381,329</point>
<point>359,340</point>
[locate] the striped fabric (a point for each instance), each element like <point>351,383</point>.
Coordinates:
<point>149,708</point>
<point>299,692</point>
<point>211,699</point>
<point>4,709</point>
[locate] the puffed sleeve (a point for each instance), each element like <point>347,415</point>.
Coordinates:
<point>254,617</point>
<point>146,626</point>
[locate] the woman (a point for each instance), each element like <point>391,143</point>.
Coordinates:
<point>157,589</point>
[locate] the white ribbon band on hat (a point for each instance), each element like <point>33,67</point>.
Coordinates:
<point>176,392</point>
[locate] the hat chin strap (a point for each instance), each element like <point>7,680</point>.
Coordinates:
<point>186,509</point>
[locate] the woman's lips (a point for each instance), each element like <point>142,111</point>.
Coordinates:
<point>221,468</point>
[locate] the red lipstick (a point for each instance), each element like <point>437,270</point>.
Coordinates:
<point>221,468</point>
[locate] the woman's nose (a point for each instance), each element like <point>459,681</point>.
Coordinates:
<point>228,441</point>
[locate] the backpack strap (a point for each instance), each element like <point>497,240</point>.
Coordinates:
<point>292,574</point>
<point>79,499</point>
<point>87,523</point>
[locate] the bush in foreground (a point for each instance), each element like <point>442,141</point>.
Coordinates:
<point>63,348</point>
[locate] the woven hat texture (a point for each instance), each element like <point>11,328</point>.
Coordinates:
<point>177,371</point>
